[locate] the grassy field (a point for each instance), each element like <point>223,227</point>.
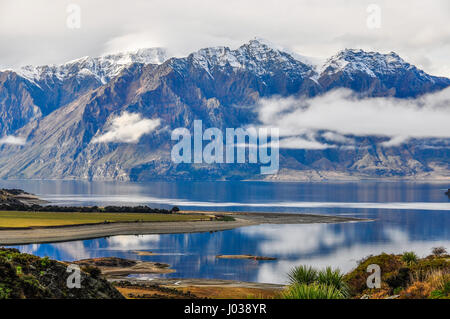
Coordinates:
<point>14,219</point>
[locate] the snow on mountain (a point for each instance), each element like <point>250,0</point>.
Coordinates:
<point>103,68</point>
<point>371,63</point>
<point>264,58</point>
<point>314,62</point>
<point>258,56</point>
<point>73,105</point>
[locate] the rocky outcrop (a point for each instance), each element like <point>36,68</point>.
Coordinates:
<point>17,199</point>
<point>114,266</point>
<point>18,106</point>
<point>375,75</point>
<point>24,276</point>
<point>32,92</point>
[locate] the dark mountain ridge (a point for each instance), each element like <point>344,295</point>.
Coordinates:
<point>221,87</point>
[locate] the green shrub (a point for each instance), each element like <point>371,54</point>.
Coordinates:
<point>441,293</point>
<point>446,289</point>
<point>439,251</point>
<point>437,294</point>
<point>398,290</point>
<point>429,264</point>
<point>303,275</point>
<point>4,292</point>
<point>175,209</point>
<point>409,257</point>
<point>357,278</point>
<point>400,278</point>
<point>31,287</point>
<point>311,291</point>
<point>45,262</point>
<point>333,278</point>
<point>225,218</point>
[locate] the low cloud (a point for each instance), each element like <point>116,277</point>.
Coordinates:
<point>395,141</point>
<point>127,128</point>
<point>302,143</point>
<point>12,140</point>
<point>337,138</point>
<point>339,114</point>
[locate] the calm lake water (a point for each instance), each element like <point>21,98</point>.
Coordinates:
<point>408,216</point>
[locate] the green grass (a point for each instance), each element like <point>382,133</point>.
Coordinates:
<point>409,258</point>
<point>302,275</point>
<point>311,291</point>
<point>17,219</point>
<point>334,278</point>
<point>309,283</point>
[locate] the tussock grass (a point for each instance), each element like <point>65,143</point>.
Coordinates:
<point>311,291</point>
<point>409,257</point>
<point>334,278</point>
<point>302,275</point>
<point>309,283</point>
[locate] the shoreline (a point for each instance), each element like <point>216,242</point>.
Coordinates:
<point>440,179</point>
<point>194,289</point>
<point>199,282</point>
<point>183,288</point>
<point>85,232</point>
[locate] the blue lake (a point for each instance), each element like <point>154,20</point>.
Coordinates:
<point>408,216</point>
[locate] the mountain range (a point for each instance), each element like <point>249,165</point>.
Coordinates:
<point>62,118</point>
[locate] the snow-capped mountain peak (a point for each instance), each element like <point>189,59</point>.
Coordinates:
<point>257,56</point>
<point>103,68</point>
<point>146,56</point>
<point>372,63</point>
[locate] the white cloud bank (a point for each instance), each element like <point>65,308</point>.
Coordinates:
<point>12,140</point>
<point>302,143</point>
<point>35,32</point>
<point>341,114</point>
<point>127,128</point>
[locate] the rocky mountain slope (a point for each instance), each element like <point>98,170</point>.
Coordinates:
<point>32,92</point>
<point>218,85</point>
<point>24,276</point>
<point>374,74</point>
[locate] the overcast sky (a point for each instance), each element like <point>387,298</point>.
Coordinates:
<point>36,32</point>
